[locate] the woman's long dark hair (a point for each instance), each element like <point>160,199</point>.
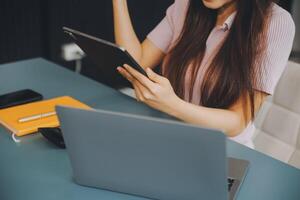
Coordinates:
<point>232,73</point>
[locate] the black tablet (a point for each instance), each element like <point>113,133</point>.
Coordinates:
<point>105,55</point>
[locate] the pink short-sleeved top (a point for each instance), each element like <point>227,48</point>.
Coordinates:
<point>280,36</point>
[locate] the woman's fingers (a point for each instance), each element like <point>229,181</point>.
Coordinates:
<point>142,92</point>
<point>154,76</point>
<point>140,77</point>
<point>145,92</point>
<point>138,93</point>
<point>125,74</point>
<point>136,86</point>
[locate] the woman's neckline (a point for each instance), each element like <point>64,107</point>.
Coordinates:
<point>225,12</point>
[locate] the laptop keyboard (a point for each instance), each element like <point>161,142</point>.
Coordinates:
<point>230,182</point>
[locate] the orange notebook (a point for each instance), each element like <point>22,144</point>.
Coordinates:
<point>26,119</point>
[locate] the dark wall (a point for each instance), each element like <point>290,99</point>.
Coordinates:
<point>21,30</point>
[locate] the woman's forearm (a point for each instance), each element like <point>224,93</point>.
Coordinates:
<point>157,92</point>
<point>125,35</point>
<point>230,122</point>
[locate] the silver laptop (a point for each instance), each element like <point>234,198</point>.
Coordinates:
<point>149,157</point>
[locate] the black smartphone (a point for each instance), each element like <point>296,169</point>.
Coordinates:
<point>19,97</point>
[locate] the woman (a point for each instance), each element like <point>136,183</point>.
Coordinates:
<point>220,60</point>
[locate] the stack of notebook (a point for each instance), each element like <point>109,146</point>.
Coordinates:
<point>26,119</point>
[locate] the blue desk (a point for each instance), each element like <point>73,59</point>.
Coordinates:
<point>36,170</point>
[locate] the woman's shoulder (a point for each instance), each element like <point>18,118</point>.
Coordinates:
<point>180,7</point>
<point>280,36</point>
<point>181,2</point>
<point>281,18</point>
<point>177,13</point>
